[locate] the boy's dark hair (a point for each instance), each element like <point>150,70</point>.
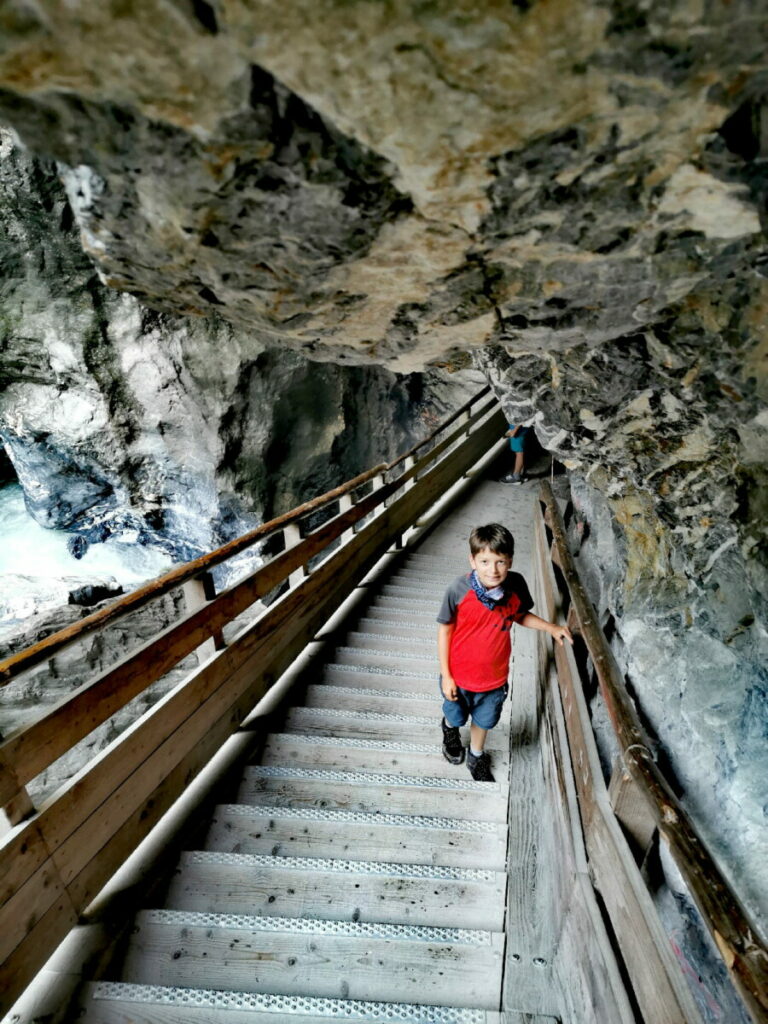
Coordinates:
<point>495,537</point>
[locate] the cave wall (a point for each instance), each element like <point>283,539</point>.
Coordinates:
<point>123,421</point>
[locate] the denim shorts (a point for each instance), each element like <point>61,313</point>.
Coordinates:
<point>483,708</point>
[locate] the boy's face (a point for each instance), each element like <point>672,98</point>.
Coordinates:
<point>490,566</point>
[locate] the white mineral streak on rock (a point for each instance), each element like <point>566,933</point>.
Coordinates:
<point>591,421</point>
<point>701,202</point>
<point>731,542</point>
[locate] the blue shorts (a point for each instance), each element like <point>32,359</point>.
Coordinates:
<point>483,708</point>
<point>517,443</point>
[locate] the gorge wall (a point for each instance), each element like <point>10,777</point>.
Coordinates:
<point>569,196</point>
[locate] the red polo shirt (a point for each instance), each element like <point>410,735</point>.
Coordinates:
<point>481,643</point>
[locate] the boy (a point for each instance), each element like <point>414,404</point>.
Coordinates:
<point>474,643</point>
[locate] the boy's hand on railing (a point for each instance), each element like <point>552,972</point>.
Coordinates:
<point>450,691</point>
<point>560,633</point>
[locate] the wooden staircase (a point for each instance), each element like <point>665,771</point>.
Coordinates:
<point>334,865</point>
<point>356,873</point>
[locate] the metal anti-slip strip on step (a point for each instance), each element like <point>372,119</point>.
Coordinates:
<point>367,716</point>
<point>269,771</point>
<point>301,1006</point>
<point>407,821</point>
<point>410,655</point>
<point>346,867</point>
<point>314,926</point>
<point>381,670</point>
<point>429,595</point>
<point>364,691</point>
<point>334,741</point>
<point>366,635</point>
<point>381,613</point>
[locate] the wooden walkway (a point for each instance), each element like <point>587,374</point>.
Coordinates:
<point>355,874</point>
<point>336,867</point>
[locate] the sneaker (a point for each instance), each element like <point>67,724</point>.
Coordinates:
<point>480,767</point>
<point>513,478</point>
<point>453,748</point>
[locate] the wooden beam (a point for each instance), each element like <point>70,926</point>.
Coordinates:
<point>631,808</point>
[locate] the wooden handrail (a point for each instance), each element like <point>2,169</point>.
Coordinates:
<point>737,939</point>
<point>19,662</point>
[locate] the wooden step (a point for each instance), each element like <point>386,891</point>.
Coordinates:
<point>395,726</point>
<point>325,695</point>
<point>426,603</point>
<point>394,617</point>
<point>428,577</point>
<point>376,622</point>
<point>418,658</point>
<point>377,677</point>
<point>429,596</point>
<point>383,700</point>
<point>392,643</point>
<point>392,794</point>
<point>338,890</point>
<point>326,959</point>
<point>395,758</point>
<point>402,839</point>
<point>110,1002</point>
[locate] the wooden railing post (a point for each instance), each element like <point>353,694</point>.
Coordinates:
<point>197,593</point>
<point>16,810</point>
<point>345,504</point>
<point>292,537</point>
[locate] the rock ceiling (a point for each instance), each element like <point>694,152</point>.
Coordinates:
<point>400,182</point>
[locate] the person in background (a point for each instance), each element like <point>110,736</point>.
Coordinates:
<point>517,435</point>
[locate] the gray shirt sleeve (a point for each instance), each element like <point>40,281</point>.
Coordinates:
<point>452,599</point>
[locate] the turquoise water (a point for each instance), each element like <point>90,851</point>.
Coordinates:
<point>30,550</point>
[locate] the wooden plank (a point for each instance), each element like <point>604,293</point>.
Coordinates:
<point>28,906</point>
<point>333,966</point>
<point>590,982</point>
<point>19,806</point>
<point>38,943</point>
<point>659,986</point>
<point>399,758</point>
<point>480,805</point>
<point>112,1007</point>
<point>236,829</point>
<point>631,808</point>
<point>22,852</point>
<point>661,990</point>
<point>286,888</point>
